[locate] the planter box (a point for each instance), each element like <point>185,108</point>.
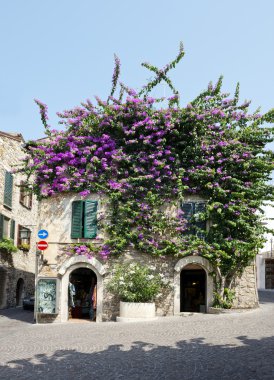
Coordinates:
<point>135,311</point>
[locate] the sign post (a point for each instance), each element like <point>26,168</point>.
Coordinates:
<point>40,246</point>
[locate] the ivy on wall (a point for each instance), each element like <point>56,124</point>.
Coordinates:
<point>144,157</point>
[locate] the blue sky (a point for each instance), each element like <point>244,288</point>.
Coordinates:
<point>61,52</point>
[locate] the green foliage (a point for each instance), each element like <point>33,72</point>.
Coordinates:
<point>225,300</point>
<point>133,282</point>
<point>7,246</point>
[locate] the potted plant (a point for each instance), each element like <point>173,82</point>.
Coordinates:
<point>24,247</point>
<point>137,286</point>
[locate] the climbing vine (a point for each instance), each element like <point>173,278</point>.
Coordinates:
<point>146,159</point>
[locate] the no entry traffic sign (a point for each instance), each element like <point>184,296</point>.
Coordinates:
<point>42,245</point>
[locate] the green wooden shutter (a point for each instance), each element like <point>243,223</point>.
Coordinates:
<point>12,229</point>
<point>200,224</point>
<point>188,210</point>
<point>1,226</point>
<point>77,220</point>
<point>8,189</point>
<point>90,219</point>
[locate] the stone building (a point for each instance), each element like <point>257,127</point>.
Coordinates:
<point>18,213</point>
<point>70,219</point>
<point>265,258</point>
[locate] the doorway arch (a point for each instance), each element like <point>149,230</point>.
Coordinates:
<point>192,289</point>
<point>203,270</point>
<point>64,272</point>
<point>19,292</point>
<point>81,291</point>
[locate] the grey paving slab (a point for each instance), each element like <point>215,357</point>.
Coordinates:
<point>229,346</point>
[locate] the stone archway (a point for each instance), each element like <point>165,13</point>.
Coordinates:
<point>66,269</point>
<point>19,292</point>
<point>203,264</point>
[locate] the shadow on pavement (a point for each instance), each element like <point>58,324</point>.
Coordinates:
<point>193,359</point>
<point>266,296</point>
<point>17,314</point>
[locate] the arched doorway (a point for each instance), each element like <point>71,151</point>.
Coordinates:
<point>193,289</point>
<point>76,262</point>
<point>185,273</point>
<point>19,292</point>
<point>82,294</point>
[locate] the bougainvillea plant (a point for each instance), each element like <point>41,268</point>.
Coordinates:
<point>144,157</point>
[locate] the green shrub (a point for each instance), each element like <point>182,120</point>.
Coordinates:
<point>133,282</point>
<point>7,246</point>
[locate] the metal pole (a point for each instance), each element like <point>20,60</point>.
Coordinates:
<point>37,254</point>
<point>271,241</point>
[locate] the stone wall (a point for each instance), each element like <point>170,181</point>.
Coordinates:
<point>20,264</point>
<point>245,287</point>
<point>164,302</point>
<point>55,216</point>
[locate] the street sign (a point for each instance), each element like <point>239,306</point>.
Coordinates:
<point>43,234</point>
<point>42,245</point>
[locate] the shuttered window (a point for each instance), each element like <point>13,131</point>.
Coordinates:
<point>200,224</point>
<point>4,226</point>
<point>90,219</point>
<point>8,189</point>
<point>12,229</point>
<point>84,219</point>
<point>1,226</point>
<point>188,211</point>
<point>25,197</point>
<point>191,212</point>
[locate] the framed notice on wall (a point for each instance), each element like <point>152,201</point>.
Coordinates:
<point>46,295</point>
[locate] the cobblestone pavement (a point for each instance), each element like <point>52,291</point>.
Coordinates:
<point>199,346</point>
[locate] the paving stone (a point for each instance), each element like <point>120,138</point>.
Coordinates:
<point>236,346</point>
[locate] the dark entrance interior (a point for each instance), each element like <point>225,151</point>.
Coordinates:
<point>193,290</point>
<point>269,273</point>
<point>19,292</point>
<point>82,294</point>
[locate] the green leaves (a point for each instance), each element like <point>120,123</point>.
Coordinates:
<point>134,282</point>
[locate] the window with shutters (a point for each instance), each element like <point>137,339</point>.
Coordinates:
<point>25,195</point>
<point>8,189</point>
<point>195,224</point>
<point>7,227</point>
<point>12,229</point>
<point>84,219</point>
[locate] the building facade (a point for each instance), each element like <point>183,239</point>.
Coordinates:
<point>70,219</point>
<point>18,214</point>
<point>265,258</point>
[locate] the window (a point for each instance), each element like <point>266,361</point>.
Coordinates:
<point>84,219</point>
<point>23,240</point>
<point>25,195</point>
<point>7,227</point>
<point>191,211</point>
<point>8,189</point>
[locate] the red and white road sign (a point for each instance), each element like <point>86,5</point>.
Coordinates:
<point>42,245</point>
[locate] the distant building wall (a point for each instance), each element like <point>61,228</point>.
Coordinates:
<point>20,264</point>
